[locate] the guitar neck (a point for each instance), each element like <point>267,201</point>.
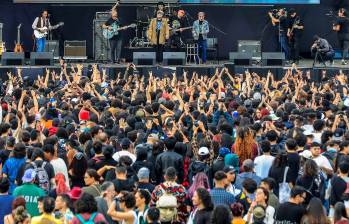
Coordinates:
<point>19,35</point>
<point>1,26</point>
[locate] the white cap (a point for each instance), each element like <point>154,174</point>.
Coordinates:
<point>306,154</point>
<point>203,151</point>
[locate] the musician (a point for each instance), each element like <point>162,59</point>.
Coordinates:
<point>200,31</point>
<point>294,34</point>
<point>41,23</point>
<point>158,33</point>
<point>177,23</point>
<point>341,25</point>
<point>116,41</point>
<point>160,6</point>
<point>322,50</point>
<point>282,23</point>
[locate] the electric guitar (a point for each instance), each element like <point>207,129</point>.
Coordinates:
<point>18,45</point>
<point>108,34</point>
<point>2,44</point>
<point>173,31</point>
<point>295,23</point>
<point>42,32</point>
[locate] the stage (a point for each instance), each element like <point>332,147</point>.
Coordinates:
<point>208,69</point>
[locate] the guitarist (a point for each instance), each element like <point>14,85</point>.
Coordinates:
<point>341,25</point>
<point>294,34</point>
<point>177,23</point>
<point>116,40</point>
<point>39,24</point>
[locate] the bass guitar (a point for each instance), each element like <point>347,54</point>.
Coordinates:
<point>18,45</point>
<point>109,33</point>
<point>43,31</point>
<point>2,43</point>
<point>173,31</point>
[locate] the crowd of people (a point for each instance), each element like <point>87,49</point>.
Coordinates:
<point>227,148</point>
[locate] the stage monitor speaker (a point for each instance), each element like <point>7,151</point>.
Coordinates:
<point>174,58</point>
<point>144,58</point>
<point>53,47</point>
<point>75,49</point>
<point>41,58</point>
<point>12,58</point>
<point>273,58</point>
<point>240,58</point>
<point>250,46</point>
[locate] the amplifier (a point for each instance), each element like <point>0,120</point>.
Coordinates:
<point>75,49</point>
<point>53,47</point>
<point>250,46</point>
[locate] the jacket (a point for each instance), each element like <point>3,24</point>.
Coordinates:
<point>164,32</point>
<point>166,160</point>
<point>204,28</point>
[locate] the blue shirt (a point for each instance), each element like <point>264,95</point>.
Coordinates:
<point>243,176</point>
<point>5,208</point>
<point>158,25</point>
<point>221,196</point>
<point>11,168</point>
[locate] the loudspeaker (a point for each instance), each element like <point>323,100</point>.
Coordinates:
<point>75,49</point>
<point>144,58</point>
<point>250,46</point>
<point>12,58</point>
<point>273,58</point>
<point>174,58</point>
<point>41,58</point>
<point>101,48</point>
<point>241,58</point>
<point>53,47</point>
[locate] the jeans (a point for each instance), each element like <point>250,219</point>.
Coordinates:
<point>344,45</point>
<point>202,44</point>
<point>40,44</point>
<point>284,45</point>
<point>115,49</point>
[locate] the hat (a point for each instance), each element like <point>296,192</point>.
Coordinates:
<point>274,117</point>
<point>258,213</point>
<point>248,163</point>
<point>84,115</point>
<point>29,176</point>
<point>203,151</point>
<point>4,106</point>
<point>228,169</point>
<point>75,193</point>
<point>338,133</point>
<point>248,103</point>
<point>223,151</point>
<point>306,154</point>
<point>264,112</point>
<point>140,113</point>
<point>143,173</point>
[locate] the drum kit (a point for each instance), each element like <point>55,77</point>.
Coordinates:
<point>144,16</point>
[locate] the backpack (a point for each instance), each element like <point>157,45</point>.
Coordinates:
<point>42,176</point>
<point>167,205</point>
<point>89,221</point>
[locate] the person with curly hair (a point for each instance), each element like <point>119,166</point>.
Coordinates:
<point>245,145</point>
<point>86,210</point>
<point>204,206</point>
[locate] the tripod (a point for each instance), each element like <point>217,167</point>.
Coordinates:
<point>318,57</point>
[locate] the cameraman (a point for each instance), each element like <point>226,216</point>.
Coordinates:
<point>322,50</point>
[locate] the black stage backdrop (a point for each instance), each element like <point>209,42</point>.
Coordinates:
<point>239,22</point>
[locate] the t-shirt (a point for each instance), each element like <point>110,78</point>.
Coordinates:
<point>5,208</point>
<point>289,213</point>
<point>98,219</point>
<point>30,192</point>
<point>59,166</point>
<point>11,169</point>
<point>48,168</point>
<point>262,165</point>
<point>109,22</point>
<point>343,22</point>
<point>322,161</point>
<point>293,160</point>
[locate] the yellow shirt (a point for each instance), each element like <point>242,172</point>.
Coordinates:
<point>44,218</point>
<point>238,221</point>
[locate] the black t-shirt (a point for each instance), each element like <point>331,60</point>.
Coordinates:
<point>284,24</point>
<point>48,167</point>
<point>202,217</point>
<point>123,185</point>
<point>148,186</point>
<point>177,23</point>
<point>295,21</point>
<point>293,160</point>
<point>289,213</point>
<point>343,22</point>
<point>109,22</point>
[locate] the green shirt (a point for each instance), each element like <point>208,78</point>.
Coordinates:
<point>30,192</point>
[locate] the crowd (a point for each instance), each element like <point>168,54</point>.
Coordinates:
<point>230,148</point>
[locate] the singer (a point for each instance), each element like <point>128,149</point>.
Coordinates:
<point>41,23</point>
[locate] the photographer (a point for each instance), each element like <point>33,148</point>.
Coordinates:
<point>322,50</point>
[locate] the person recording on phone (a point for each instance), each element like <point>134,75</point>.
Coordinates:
<point>322,50</point>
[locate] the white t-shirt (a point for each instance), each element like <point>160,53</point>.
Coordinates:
<point>59,166</point>
<point>269,216</point>
<point>117,155</point>
<point>322,161</point>
<point>262,165</point>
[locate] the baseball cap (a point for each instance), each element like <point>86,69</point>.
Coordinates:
<point>228,169</point>
<point>29,176</point>
<point>223,151</point>
<point>248,163</point>
<point>203,151</point>
<point>143,173</point>
<point>258,213</point>
<point>338,133</point>
<point>306,154</point>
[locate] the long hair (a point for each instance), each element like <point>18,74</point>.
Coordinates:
<point>311,169</point>
<point>205,198</point>
<point>244,142</point>
<point>315,212</point>
<point>339,212</point>
<point>220,215</point>
<point>61,187</point>
<point>200,180</point>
